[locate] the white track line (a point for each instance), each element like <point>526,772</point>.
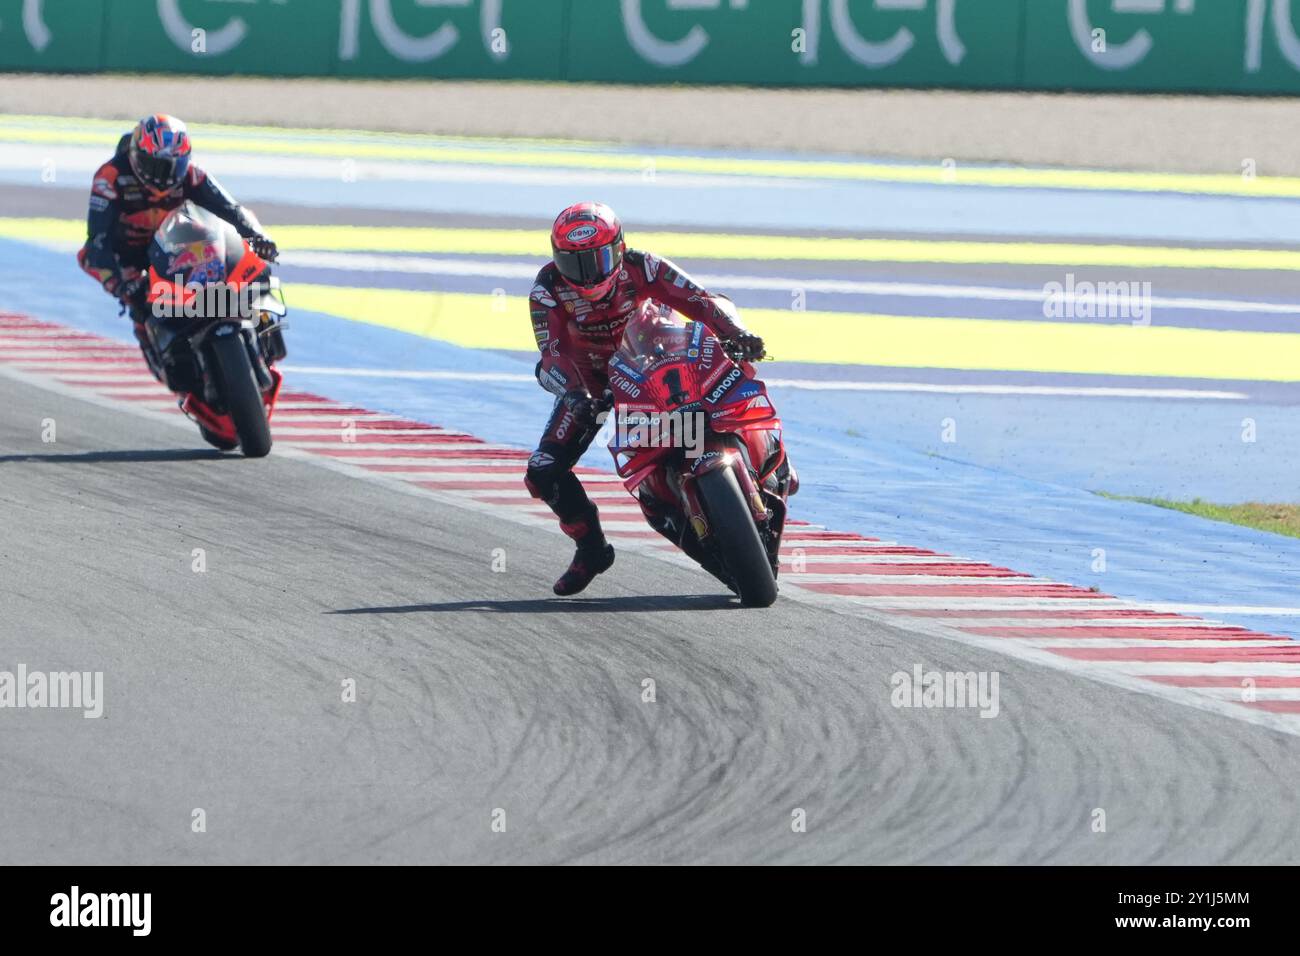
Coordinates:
<point>1226,609</point>
<point>513,269</point>
<point>1259,693</point>
<point>1137,623</point>
<point>1079,391</point>
<point>886,603</point>
<point>927,579</point>
<point>1108,642</point>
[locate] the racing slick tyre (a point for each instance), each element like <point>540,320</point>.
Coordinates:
<point>737,541</point>
<point>242,396</point>
<point>216,441</point>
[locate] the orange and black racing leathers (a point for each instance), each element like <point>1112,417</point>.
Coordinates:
<point>577,338</point>
<point>121,222</point>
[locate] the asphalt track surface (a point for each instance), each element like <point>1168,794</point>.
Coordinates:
<point>478,691</point>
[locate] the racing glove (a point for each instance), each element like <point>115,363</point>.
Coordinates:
<point>263,246</point>
<point>746,346</point>
<point>133,291</point>
<point>582,407</point>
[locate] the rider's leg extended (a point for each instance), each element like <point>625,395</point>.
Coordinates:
<point>550,477</point>
<point>120,283</point>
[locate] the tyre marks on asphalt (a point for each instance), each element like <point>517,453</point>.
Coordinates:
<point>1227,669</point>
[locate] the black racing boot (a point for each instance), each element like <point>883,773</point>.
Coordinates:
<point>594,554</point>
<point>586,564</point>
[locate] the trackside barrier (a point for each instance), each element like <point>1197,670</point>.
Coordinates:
<point>1233,46</point>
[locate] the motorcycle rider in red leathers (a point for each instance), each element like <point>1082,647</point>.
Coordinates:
<point>580,303</point>
<point>148,176</point>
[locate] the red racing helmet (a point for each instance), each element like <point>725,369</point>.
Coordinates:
<point>587,247</point>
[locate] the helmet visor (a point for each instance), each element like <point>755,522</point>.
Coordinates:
<point>161,172</point>
<point>589,267</point>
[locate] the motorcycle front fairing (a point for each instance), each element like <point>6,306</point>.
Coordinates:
<point>194,251</point>
<point>194,248</point>
<point>666,366</point>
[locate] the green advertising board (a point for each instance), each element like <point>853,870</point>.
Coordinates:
<point>796,42</point>
<point>197,36</point>
<point>1235,46</point>
<point>461,40</point>
<point>1138,44</point>
<point>53,35</point>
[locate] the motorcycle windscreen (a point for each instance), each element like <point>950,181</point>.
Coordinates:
<point>650,340</point>
<point>190,246</point>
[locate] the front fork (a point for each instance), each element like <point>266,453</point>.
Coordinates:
<point>203,409</point>
<point>718,454</point>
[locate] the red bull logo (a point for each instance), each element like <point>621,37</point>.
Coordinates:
<point>199,263</point>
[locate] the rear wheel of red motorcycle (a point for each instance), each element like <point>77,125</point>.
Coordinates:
<point>242,396</point>
<point>731,524</point>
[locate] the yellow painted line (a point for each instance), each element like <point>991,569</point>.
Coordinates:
<point>540,153</point>
<point>37,229</point>
<point>688,246</point>
<point>493,322</point>
<point>685,246</point>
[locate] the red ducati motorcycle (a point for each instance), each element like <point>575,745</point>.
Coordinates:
<point>698,443</point>
<point>216,327</point>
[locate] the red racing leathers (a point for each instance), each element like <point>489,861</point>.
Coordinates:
<point>577,338</point>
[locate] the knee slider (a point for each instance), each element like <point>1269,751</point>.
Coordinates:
<point>541,476</point>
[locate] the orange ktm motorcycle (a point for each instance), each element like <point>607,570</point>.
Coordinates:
<point>217,325</point>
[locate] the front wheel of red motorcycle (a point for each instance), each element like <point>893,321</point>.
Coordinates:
<point>736,537</point>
